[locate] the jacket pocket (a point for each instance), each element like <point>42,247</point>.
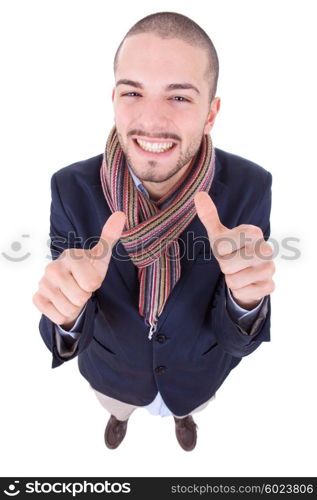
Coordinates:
<point>103,347</point>
<point>213,345</point>
<point>102,355</point>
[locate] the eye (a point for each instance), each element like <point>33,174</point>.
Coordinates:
<point>180,98</point>
<point>131,94</point>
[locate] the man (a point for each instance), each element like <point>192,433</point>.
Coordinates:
<point>161,274</point>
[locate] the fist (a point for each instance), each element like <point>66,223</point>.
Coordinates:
<point>244,257</point>
<point>68,281</point>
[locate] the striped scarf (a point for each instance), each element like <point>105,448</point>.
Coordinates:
<point>152,228</point>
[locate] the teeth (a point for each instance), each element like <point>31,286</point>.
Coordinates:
<point>155,147</point>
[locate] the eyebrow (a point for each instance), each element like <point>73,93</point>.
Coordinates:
<point>182,86</point>
<point>132,83</point>
<point>171,86</point>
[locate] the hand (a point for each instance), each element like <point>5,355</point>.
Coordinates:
<point>244,257</point>
<point>69,281</point>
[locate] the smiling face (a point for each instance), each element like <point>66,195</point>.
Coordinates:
<point>162,107</point>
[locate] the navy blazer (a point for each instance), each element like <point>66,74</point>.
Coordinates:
<point>196,344</point>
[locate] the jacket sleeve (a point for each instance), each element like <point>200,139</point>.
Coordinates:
<point>233,337</point>
<point>63,235</point>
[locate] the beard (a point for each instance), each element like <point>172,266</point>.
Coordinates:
<point>150,173</point>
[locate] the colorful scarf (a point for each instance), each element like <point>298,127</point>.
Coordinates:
<point>152,228</point>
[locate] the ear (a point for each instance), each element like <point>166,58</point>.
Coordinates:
<point>112,96</point>
<point>214,110</point>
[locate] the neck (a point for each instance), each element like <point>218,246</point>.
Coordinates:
<point>157,190</point>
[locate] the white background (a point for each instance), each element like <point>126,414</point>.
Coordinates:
<point>56,81</point>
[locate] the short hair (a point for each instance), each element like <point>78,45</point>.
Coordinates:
<point>174,25</point>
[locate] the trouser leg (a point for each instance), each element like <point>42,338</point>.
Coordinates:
<point>119,409</point>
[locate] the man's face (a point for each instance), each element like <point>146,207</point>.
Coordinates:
<point>161,104</point>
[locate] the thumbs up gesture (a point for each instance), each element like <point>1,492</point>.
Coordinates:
<point>68,282</point>
<point>244,257</point>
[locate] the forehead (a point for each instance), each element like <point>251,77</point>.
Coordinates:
<point>147,56</point>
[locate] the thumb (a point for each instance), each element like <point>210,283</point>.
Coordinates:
<point>110,234</point>
<point>208,214</point>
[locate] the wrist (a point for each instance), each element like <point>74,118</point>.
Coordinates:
<point>69,323</point>
<point>246,304</point>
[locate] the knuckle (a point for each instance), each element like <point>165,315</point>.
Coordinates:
<point>40,302</point>
<point>69,255</point>
<point>50,270</point>
<point>91,285</point>
<point>62,256</point>
<point>48,267</point>
<point>243,227</point>
<point>35,299</point>
<point>39,299</point>
<point>269,287</point>
<point>268,249</point>
<point>224,245</point>
<point>69,309</point>
<point>59,318</point>
<point>42,283</point>
<point>266,269</point>
<point>270,268</point>
<point>82,297</point>
<point>255,231</point>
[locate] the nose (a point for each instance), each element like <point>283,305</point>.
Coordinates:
<point>154,117</point>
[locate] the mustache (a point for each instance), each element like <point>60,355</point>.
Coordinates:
<point>153,135</point>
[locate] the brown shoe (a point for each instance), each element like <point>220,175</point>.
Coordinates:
<point>115,432</point>
<point>186,433</point>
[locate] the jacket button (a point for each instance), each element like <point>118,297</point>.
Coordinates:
<point>160,369</point>
<point>160,338</point>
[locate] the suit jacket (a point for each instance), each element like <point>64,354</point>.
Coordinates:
<point>196,343</point>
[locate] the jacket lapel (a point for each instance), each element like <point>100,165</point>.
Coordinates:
<point>121,259</point>
<point>195,237</point>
